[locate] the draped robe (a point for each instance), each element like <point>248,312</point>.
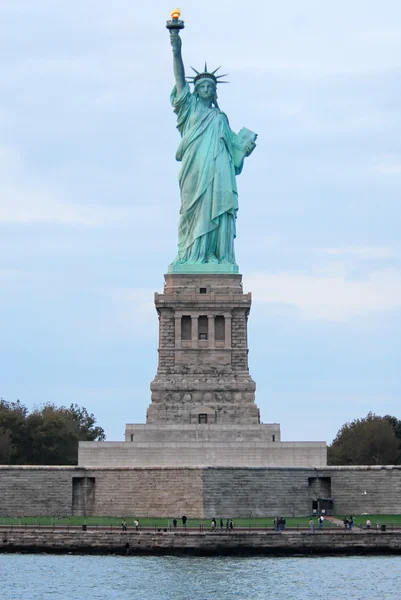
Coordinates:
<point>209,199</point>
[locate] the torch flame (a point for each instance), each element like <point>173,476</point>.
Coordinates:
<point>176,13</point>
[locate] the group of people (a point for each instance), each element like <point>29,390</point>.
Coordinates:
<point>124,525</point>
<point>349,522</point>
<point>320,523</point>
<point>229,525</point>
<point>184,522</point>
<point>279,523</point>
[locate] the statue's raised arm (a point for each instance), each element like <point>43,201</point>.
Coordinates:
<point>178,65</point>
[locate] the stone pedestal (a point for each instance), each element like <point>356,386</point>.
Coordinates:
<point>202,411</point>
<point>203,375</point>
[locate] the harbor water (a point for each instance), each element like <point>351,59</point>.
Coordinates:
<point>76,577</point>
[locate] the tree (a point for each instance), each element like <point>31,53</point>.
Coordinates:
<point>13,426</point>
<point>86,424</point>
<point>395,424</point>
<point>53,437</point>
<point>49,435</point>
<point>7,450</point>
<point>368,441</point>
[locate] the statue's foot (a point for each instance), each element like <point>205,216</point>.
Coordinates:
<point>211,258</point>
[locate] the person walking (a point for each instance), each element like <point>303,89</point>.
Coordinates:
<point>312,525</point>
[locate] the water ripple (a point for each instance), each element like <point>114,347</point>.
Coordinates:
<point>42,577</point>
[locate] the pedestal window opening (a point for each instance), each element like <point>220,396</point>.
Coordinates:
<point>202,328</point>
<point>219,329</point>
<point>186,328</point>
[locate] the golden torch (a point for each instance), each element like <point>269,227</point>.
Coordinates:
<point>175,22</point>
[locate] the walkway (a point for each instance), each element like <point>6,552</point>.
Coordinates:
<point>339,522</point>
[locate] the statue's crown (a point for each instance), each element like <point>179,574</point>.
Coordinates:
<point>206,75</point>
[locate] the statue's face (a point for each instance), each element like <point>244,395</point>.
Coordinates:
<point>206,90</point>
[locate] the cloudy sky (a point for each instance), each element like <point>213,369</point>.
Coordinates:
<point>89,200</point>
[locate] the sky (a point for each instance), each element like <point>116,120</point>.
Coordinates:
<point>89,201</point>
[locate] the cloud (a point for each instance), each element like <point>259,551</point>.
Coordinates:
<point>19,205</point>
<point>133,312</point>
<point>331,297</point>
<point>24,199</point>
<point>24,205</point>
<point>390,169</point>
<point>364,253</point>
<point>13,274</point>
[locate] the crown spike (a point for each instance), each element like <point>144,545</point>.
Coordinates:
<point>206,75</point>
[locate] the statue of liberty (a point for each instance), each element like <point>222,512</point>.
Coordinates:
<point>211,155</point>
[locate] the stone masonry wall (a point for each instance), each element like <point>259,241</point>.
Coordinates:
<point>166,340</point>
<point>239,356</point>
<point>202,453</point>
<point>203,372</point>
<point>256,492</point>
<point>149,492</point>
<point>203,493</point>
<point>263,492</point>
<point>240,543</point>
<point>34,491</point>
<point>375,490</point>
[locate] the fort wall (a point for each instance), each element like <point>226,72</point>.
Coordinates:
<point>198,492</point>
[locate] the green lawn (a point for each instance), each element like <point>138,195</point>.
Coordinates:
<point>375,519</point>
<point>251,523</point>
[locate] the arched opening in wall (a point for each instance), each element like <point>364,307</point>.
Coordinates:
<point>186,328</point>
<point>202,418</point>
<point>202,327</point>
<point>219,329</point>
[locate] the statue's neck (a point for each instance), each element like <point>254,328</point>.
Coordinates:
<point>205,103</point>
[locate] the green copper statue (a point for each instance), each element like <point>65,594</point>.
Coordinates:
<point>211,155</point>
